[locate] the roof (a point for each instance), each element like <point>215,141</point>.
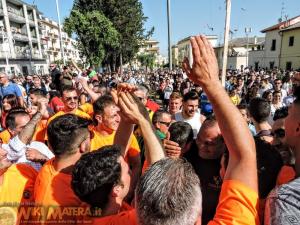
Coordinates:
<point>283,24</point>
<point>293,27</point>
<point>241,42</point>
<point>189,37</point>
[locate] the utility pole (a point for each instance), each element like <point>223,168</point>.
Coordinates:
<point>169,35</point>
<point>226,37</point>
<point>59,33</point>
<point>247,31</point>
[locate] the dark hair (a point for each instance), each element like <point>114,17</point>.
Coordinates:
<point>10,121</point>
<point>95,174</point>
<point>169,193</point>
<point>37,92</point>
<point>102,102</point>
<point>192,95</point>
<point>66,133</point>
<point>12,100</point>
<point>259,109</point>
<point>297,95</point>
<point>266,93</point>
<point>181,133</point>
<point>157,116</point>
<point>67,88</point>
<point>281,113</point>
<point>242,106</point>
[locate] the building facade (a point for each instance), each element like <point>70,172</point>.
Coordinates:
<point>240,52</point>
<point>51,42</point>
<point>290,47</point>
<point>278,52</point>
<point>185,48</point>
<point>21,51</point>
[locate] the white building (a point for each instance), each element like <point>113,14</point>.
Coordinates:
<point>21,51</point>
<point>51,42</point>
<point>150,47</point>
<point>237,52</point>
<point>185,49</point>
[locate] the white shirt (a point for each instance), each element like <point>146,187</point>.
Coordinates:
<point>195,122</point>
<point>16,151</point>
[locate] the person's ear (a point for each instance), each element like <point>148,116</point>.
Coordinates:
<point>116,191</point>
<point>98,118</point>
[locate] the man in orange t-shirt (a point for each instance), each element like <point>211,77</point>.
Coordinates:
<point>16,189</point>
<point>106,113</point>
<point>70,100</point>
<point>69,138</point>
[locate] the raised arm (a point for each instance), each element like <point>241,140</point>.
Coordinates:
<point>240,143</point>
<point>133,110</point>
<point>86,87</point>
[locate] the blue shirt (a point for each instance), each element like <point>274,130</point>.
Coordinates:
<point>11,88</point>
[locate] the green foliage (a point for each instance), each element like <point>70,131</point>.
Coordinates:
<point>127,19</point>
<point>146,60</point>
<point>94,32</point>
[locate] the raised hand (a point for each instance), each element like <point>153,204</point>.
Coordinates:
<point>205,69</point>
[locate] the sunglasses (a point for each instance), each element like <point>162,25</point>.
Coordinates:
<point>72,98</point>
<point>165,123</point>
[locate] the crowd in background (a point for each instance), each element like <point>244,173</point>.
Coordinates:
<point>152,147</point>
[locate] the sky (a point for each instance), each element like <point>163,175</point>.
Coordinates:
<point>191,17</point>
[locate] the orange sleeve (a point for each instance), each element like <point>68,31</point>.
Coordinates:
<point>40,131</point>
<point>286,174</point>
<point>5,137</point>
<point>134,148</point>
<point>238,205</point>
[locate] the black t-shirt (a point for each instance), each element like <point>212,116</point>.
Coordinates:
<point>208,171</point>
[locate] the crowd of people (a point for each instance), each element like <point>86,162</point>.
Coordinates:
<point>151,148</point>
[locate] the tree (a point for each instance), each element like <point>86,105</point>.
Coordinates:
<point>146,60</point>
<point>127,18</point>
<point>94,33</point>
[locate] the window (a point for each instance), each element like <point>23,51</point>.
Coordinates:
<point>256,65</point>
<point>25,70</point>
<point>291,41</point>
<point>273,47</point>
<point>288,66</point>
<point>272,65</point>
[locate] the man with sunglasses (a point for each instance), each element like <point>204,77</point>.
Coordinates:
<point>161,121</point>
<point>70,100</point>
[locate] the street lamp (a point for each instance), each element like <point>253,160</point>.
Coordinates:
<point>59,31</point>
<point>3,44</point>
<point>169,34</point>
<point>247,31</point>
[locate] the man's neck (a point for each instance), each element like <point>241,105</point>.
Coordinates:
<point>262,126</point>
<point>66,164</point>
<point>104,130</point>
<point>69,110</point>
<point>185,116</point>
<point>113,207</point>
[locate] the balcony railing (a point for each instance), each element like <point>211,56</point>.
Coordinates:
<point>16,17</point>
<point>21,37</point>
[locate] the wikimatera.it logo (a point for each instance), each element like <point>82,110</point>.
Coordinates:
<point>11,213</point>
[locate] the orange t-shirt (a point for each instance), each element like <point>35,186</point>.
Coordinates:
<point>87,108</point>
<point>100,140</point>
<point>53,192</point>
<point>16,192</point>
<point>123,218</point>
<point>40,131</point>
<point>238,205</point>
<point>5,137</point>
<point>286,174</point>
